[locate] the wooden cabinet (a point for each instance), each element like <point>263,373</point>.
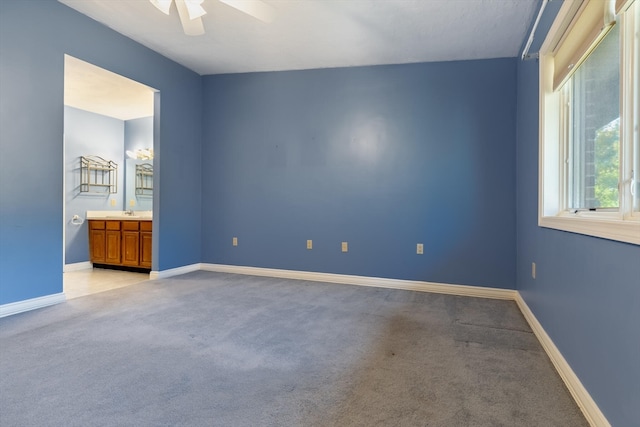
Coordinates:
<point>104,242</point>
<point>130,243</point>
<point>97,242</point>
<point>113,238</point>
<point>125,243</point>
<point>145,244</point>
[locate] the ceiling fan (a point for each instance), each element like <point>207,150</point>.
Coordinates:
<point>191,12</point>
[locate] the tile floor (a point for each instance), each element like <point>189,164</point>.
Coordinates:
<point>93,280</point>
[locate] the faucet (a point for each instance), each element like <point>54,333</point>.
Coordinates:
<point>129,212</point>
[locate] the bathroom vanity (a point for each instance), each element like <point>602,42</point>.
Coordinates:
<point>120,240</point>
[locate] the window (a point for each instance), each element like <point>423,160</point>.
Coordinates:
<point>591,98</point>
<point>589,108</point>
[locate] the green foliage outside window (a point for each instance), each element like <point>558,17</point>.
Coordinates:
<point>607,164</point>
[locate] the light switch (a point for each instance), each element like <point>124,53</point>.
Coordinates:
<point>309,244</point>
<point>345,247</point>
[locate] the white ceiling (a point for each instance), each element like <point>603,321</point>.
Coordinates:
<point>305,34</point>
<point>95,89</point>
<point>324,33</point>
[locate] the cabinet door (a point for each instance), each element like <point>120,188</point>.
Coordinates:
<point>130,248</point>
<point>113,247</point>
<point>145,249</point>
<point>97,246</point>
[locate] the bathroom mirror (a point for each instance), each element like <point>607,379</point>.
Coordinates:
<point>139,185</point>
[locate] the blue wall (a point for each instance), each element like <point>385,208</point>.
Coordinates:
<point>31,132</point>
<point>85,134</point>
<point>382,157</point>
<point>586,293</point>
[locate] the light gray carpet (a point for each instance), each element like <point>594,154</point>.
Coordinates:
<point>210,349</point>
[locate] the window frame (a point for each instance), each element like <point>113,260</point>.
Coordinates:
<point>624,224</point>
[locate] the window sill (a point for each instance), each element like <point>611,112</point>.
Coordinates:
<point>627,231</point>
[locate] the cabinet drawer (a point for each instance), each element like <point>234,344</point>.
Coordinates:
<point>130,225</point>
<point>113,225</point>
<point>96,225</point>
<point>146,226</point>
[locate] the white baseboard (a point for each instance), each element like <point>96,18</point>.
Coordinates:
<point>31,304</point>
<point>589,408</point>
<point>409,285</point>
<point>77,266</point>
<point>154,275</point>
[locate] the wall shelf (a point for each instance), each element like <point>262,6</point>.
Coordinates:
<point>98,175</point>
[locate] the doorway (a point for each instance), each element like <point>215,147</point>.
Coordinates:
<point>109,117</point>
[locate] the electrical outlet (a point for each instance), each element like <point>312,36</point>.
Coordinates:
<point>309,244</point>
<point>132,203</point>
<point>345,247</point>
<point>533,270</point>
<point>419,249</point>
<point>235,241</point>
<point>113,202</point>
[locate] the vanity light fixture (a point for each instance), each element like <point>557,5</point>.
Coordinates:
<point>141,154</point>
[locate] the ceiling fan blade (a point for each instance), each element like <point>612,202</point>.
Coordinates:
<point>194,8</point>
<point>255,8</point>
<point>163,5</point>
<point>191,27</point>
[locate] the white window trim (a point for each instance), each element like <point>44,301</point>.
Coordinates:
<point>621,226</point>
